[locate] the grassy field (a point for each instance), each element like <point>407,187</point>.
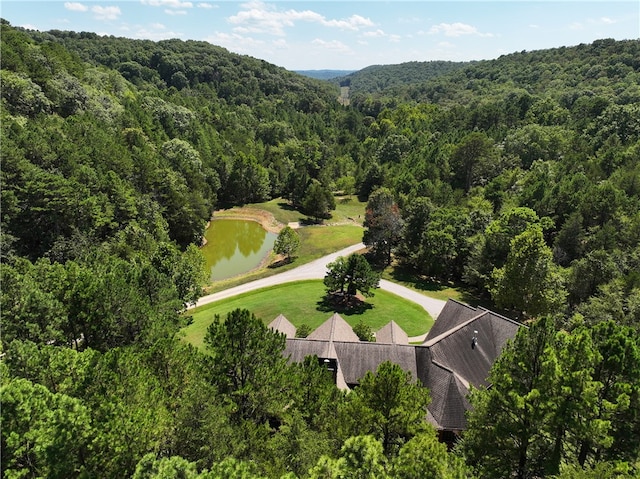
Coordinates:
<point>303,303</point>
<point>348,210</point>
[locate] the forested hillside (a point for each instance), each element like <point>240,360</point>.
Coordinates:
<point>381,78</point>
<point>517,180</point>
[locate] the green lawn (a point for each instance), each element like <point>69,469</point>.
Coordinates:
<point>302,302</point>
<point>427,287</point>
<point>348,209</point>
<point>319,241</point>
<point>280,209</point>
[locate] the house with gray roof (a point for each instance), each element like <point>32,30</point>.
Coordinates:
<point>457,353</point>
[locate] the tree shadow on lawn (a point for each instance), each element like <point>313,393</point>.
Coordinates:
<point>422,283</point>
<point>404,274</point>
<point>343,304</point>
<point>288,207</point>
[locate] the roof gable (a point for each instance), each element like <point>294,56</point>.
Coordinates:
<point>283,325</point>
<point>392,333</point>
<point>334,329</point>
<point>448,399</point>
<point>472,359</point>
<point>453,314</point>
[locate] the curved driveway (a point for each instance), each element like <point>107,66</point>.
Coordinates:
<point>316,270</point>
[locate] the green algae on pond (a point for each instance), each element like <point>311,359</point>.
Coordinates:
<point>235,247</point>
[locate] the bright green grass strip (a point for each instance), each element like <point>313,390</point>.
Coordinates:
<point>301,302</point>
<point>319,241</point>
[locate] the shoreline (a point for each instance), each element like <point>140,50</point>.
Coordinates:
<point>266,219</point>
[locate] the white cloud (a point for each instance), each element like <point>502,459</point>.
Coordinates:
<point>374,34</point>
<point>381,34</point>
<point>167,3</point>
<point>592,22</point>
<point>175,12</point>
<point>75,7</point>
<point>157,32</point>
<point>234,42</point>
<point>206,5</point>
<point>354,22</point>
<point>105,13</point>
<point>456,30</point>
<point>333,45</point>
<point>259,17</point>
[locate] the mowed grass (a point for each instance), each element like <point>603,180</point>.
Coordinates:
<point>319,241</point>
<point>302,303</point>
<point>348,210</point>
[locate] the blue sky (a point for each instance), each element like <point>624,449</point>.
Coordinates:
<point>344,34</point>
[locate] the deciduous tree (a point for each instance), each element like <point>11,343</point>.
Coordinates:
<point>529,282</point>
<point>318,201</point>
<point>383,224</point>
<point>350,275</point>
<point>287,243</point>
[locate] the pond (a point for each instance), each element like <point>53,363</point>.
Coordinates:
<point>235,247</point>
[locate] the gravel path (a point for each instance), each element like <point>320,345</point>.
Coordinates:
<point>316,270</point>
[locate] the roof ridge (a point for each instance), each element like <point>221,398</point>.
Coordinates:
<point>517,323</point>
<point>433,341</point>
<point>468,306</point>
<point>453,373</point>
<point>333,326</point>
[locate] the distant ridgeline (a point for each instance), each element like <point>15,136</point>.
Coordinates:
<point>324,74</point>
<point>377,78</point>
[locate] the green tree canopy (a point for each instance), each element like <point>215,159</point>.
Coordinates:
<point>287,243</point>
<point>248,366</point>
<point>350,275</point>
<point>318,201</point>
<point>383,224</point>
<point>387,404</point>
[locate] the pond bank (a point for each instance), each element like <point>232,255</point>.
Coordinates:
<point>266,219</point>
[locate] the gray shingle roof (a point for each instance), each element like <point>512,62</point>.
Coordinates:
<point>451,315</point>
<point>283,325</point>
<point>447,363</point>
<point>358,358</point>
<point>392,333</point>
<point>334,329</point>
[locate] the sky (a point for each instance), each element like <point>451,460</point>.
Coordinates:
<point>343,35</point>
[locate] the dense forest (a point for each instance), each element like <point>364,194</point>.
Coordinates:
<point>516,179</point>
